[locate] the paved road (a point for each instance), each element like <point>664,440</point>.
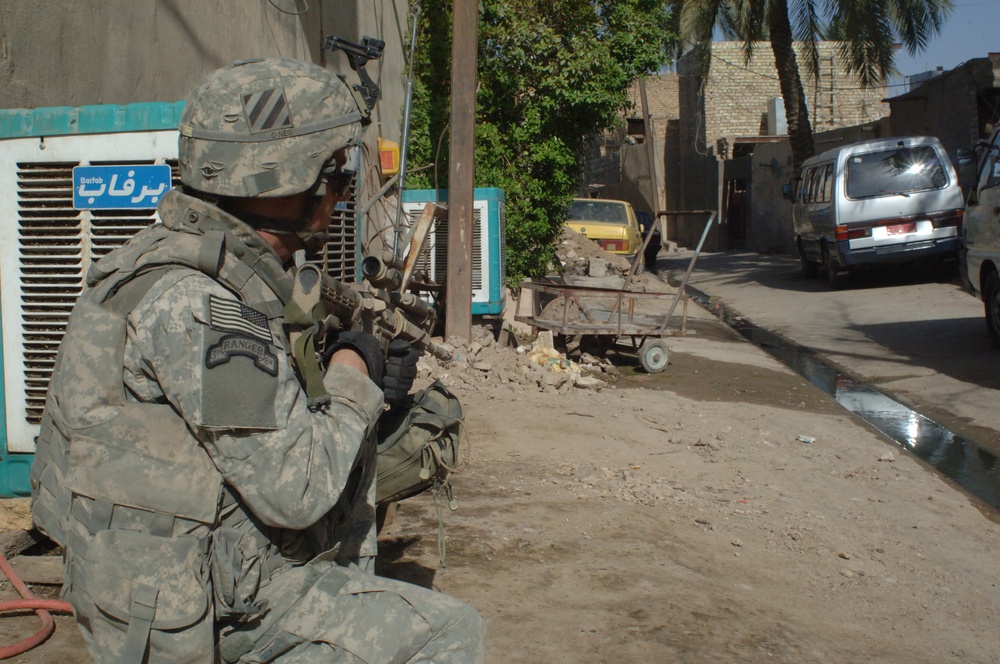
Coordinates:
<point>915,336</point>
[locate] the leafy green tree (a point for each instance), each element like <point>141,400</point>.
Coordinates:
<point>551,74</point>
<point>867,29</point>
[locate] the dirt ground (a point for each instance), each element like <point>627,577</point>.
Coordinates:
<point>678,517</point>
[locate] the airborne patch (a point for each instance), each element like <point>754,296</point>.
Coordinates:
<point>234,316</point>
<point>267,111</point>
<point>237,345</point>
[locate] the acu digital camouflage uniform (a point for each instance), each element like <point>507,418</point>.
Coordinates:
<point>207,513</point>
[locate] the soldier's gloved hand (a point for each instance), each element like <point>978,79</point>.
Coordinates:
<point>365,345</point>
<point>400,370</point>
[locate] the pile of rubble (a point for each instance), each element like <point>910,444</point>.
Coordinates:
<point>576,252</point>
<point>580,256</point>
<point>486,363</point>
<point>483,363</point>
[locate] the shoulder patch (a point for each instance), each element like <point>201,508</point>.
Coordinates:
<point>234,316</point>
<point>233,345</point>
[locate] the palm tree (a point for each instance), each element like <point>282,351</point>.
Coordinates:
<point>867,30</point>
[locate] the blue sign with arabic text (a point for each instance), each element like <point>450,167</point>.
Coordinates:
<point>135,186</point>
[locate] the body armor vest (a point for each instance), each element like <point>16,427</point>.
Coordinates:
<point>123,483</point>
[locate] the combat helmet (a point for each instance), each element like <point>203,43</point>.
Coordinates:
<point>266,128</point>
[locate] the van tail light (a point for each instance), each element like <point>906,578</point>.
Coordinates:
<point>852,233</point>
<point>946,219</point>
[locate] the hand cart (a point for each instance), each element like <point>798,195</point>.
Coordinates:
<point>611,314</point>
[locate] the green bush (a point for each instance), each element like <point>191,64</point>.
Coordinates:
<point>550,76</point>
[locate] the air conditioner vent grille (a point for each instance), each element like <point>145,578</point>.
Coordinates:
<point>57,244</point>
<point>433,260</point>
<point>340,254</point>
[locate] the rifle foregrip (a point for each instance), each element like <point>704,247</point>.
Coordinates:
<point>403,329</point>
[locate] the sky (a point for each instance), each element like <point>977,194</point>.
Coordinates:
<point>971,31</point>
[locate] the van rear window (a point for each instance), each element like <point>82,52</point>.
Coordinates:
<point>895,171</point>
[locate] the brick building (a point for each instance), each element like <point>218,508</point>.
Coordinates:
<point>662,101</point>
<point>959,106</point>
<point>617,161</point>
<point>737,106</point>
<point>690,113</point>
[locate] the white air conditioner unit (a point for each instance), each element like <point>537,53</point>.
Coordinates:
<point>489,246</point>
<point>776,124</point>
<point>47,244</point>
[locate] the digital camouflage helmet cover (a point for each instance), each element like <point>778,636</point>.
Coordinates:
<point>265,128</point>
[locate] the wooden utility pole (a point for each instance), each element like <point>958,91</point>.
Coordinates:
<point>654,182</point>
<point>461,173</point>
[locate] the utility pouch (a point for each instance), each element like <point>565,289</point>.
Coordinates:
<point>151,594</point>
<point>418,447</point>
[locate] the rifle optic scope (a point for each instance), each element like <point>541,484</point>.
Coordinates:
<point>381,275</point>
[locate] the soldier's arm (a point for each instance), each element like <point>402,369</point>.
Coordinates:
<point>231,379</point>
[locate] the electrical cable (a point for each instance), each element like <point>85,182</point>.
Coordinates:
<point>304,9</point>
<point>41,607</point>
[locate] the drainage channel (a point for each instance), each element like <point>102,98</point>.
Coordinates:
<point>974,469</point>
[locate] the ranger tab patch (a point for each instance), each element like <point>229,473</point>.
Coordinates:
<point>234,316</point>
<point>237,345</point>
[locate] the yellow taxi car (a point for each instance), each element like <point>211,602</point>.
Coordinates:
<point>612,224</point>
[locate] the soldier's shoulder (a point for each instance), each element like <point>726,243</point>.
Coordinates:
<point>181,288</point>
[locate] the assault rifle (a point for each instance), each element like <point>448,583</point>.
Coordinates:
<point>322,305</point>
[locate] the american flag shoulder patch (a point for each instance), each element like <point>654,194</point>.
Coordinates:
<point>234,316</point>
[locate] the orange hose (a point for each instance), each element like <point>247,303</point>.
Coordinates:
<point>29,601</point>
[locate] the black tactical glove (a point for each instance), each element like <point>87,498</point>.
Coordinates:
<point>365,345</point>
<point>400,370</point>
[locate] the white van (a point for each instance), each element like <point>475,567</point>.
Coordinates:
<point>880,201</point>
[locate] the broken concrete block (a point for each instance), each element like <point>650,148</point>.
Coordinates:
<point>589,382</point>
<point>597,267</point>
<point>545,339</point>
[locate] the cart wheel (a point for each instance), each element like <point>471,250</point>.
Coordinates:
<point>653,355</point>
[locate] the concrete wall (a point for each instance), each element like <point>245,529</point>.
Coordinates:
<point>82,52</point>
<point>770,228</point>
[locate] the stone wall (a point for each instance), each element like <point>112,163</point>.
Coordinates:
<point>734,98</point>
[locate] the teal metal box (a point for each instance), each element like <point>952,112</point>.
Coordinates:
<point>489,245</point>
